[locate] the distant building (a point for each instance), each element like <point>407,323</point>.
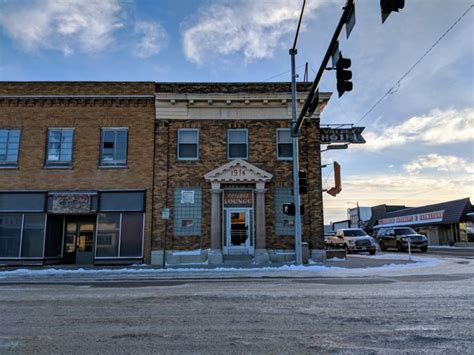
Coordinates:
<point>446,223</point>
<point>366,217</point>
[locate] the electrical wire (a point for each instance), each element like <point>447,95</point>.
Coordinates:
<point>396,86</point>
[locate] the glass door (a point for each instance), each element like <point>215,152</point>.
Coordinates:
<point>78,242</point>
<point>238,231</point>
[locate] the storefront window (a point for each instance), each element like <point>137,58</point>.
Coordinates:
<point>21,235</point>
<point>33,235</point>
<point>132,231</point>
<point>10,235</point>
<point>466,232</point>
<point>119,235</point>
<point>108,233</point>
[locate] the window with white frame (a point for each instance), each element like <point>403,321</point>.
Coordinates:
<point>188,144</point>
<point>237,144</point>
<point>60,146</point>
<point>9,147</point>
<point>114,147</point>
<point>284,144</point>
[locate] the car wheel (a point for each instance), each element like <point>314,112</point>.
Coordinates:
<point>382,246</point>
<point>372,252</point>
<point>400,247</point>
<point>424,249</point>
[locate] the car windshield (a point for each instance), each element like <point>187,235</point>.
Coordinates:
<point>404,231</point>
<point>354,233</point>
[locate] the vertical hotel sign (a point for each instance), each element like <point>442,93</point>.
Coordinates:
<point>238,198</point>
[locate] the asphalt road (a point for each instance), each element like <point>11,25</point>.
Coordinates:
<point>430,314</point>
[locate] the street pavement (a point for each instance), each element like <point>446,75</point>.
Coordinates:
<point>412,308</point>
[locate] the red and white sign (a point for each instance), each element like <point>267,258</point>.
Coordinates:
<point>238,198</point>
<point>428,217</point>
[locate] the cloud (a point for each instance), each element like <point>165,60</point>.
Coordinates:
<point>64,25</point>
<point>436,128</point>
<point>397,189</point>
<point>449,163</point>
<point>154,38</point>
<point>250,28</point>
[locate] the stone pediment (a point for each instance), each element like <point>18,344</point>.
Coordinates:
<point>238,171</point>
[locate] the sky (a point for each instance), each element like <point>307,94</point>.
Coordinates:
<point>420,136</point>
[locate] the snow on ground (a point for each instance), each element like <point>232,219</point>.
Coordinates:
<point>316,269</point>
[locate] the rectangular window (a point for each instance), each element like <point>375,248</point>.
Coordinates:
<point>284,144</point>
<point>187,212</point>
<point>237,144</point>
<point>122,201</point>
<point>120,235</point>
<point>21,235</point>
<point>9,147</point>
<point>188,144</point>
<point>114,147</point>
<point>59,150</point>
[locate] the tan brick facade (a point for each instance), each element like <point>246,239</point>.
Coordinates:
<point>87,108</point>
<point>259,108</point>
<point>153,114</point>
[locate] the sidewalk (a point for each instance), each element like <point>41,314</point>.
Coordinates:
<point>354,265</point>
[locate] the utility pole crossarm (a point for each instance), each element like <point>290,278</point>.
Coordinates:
<point>348,8</point>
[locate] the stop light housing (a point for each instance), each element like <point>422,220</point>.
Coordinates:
<point>343,75</point>
<point>289,209</point>
<point>389,6</point>
<point>303,181</point>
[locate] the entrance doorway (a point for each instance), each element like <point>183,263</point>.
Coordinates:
<point>238,232</point>
<point>79,241</point>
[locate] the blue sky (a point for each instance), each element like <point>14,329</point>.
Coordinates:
<point>420,138</point>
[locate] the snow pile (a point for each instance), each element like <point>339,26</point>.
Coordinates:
<point>313,268</point>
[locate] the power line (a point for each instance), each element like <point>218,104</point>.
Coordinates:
<point>395,87</point>
<point>282,73</point>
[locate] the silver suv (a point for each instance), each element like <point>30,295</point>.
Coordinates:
<point>355,240</point>
<point>398,238</point>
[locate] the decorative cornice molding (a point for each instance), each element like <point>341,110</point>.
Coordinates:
<point>254,174</point>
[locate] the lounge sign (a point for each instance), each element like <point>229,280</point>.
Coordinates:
<point>342,135</point>
<point>238,198</point>
<point>428,217</point>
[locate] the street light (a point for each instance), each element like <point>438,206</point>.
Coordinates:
<point>336,147</point>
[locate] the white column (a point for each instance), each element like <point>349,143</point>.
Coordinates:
<point>215,254</point>
<point>261,254</point>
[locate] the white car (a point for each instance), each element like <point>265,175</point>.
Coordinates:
<point>355,240</point>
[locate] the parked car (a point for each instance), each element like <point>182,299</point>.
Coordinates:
<point>354,240</point>
<point>398,238</point>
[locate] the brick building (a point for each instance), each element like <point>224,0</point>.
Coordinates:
<point>76,172</point>
<point>110,172</point>
<point>223,170</point>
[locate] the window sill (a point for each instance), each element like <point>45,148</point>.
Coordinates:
<point>285,159</point>
<point>9,167</point>
<point>113,166</point>
<point>66,167</point>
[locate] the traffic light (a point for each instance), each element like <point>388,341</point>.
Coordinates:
<point>289,209</point>
<point>303,181</point>
<point>343,75</point>
<point>388,6</point>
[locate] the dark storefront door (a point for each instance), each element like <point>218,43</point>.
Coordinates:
<point>79,241</point>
